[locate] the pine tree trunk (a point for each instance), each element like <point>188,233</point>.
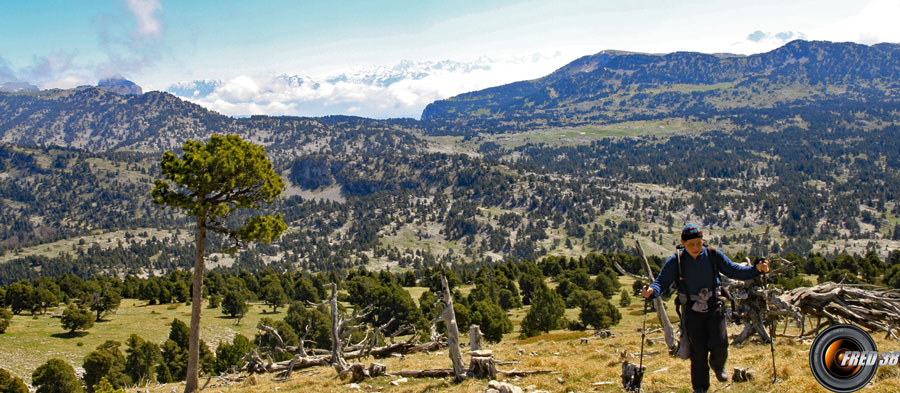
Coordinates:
<point>192,382</point>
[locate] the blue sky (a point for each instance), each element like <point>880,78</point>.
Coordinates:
<point>384,58</point>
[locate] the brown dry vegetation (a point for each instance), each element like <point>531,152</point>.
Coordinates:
<point>578,366</point>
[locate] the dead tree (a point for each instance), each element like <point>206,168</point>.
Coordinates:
<point>750,305</point>
<point>340,330</point>
<point>658,302</point>
<point>483,364</point>
<point>337,323</point>
<point>870,306</point>
<point>448,315</point>
<point>475,337</point>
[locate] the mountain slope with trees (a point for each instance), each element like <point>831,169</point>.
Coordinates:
<point>820,169</point>
<point>616,86</point>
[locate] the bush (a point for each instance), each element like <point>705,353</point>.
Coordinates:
<point>214,301</point>
<point>56,376</point>
<point>105,387</point>
<point>492,320</point>
<point>624,298</point>
<point>509,300</point>
<point>106,363</point>
<point>299,317</point>
<point>273,294</point>
<point>75,318</point>
<point>234,304</point>
<point>10,383</point>
<point>175,354</point>
<point>595,311</point>
<point>547,309</point>
<point>285,331</point>
<point>228,355</point>
<point>607,282</point>
<point>143,357</point>
<point>5,319</point>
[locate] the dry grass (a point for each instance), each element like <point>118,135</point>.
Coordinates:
<point>577,366</point>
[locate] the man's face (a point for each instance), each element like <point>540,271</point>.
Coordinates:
<point>693,246</point>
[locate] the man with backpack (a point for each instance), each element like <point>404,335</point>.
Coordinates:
<point>694,268</point>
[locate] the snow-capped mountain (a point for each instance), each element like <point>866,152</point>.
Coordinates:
<point>401,90</point>
<point>194,89</point>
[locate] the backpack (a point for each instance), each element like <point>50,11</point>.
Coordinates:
<point>683,347</point>
<point>679,283</point>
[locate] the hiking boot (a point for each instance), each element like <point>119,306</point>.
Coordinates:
<point>721,376</point>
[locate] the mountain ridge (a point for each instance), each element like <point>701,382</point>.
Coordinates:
<point>594,88</point>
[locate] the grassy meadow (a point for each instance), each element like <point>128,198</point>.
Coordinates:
<point>32,340</point>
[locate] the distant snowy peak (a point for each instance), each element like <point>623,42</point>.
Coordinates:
<point>399,90</point>
<point>377,76</point>
<point>194,89</point>
<point>407,70</point>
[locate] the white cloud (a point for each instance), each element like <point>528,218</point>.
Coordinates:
<point>66,81</point>
<point>399,91</point>
<point>876,22</point>
<point>147,24</point>
<point>239,90</point>
<point>6,73</point>
<point>763,41</point>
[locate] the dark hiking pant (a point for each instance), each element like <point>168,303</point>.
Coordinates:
<point>709,340</point>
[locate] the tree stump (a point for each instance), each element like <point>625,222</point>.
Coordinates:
<point>377,370</point>
<point>632,376</point>
<point>742,375</point>
<point>359,372</point>
<point>475,337</point>
<point>482,365</point>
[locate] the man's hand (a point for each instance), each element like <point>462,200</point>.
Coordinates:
<point>646,292</point>
<point>763,266</point>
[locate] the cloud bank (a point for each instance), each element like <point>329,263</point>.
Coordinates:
<point>402,90</point>
<point>129,49</point>
<point>763,41</point>
<point>147,24</point>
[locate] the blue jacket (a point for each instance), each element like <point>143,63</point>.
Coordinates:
<point>698,273</point>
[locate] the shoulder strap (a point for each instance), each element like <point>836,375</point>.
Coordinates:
<point>679,285</point>
<point>711,251</point>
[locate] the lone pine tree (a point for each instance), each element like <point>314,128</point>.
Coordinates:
<point>210,181</point>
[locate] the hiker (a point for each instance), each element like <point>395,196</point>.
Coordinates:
<point>695,273</point>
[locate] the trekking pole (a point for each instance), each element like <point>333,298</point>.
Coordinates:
<point>643,333</point>
<point>762,248</point>
<point>771,329</point>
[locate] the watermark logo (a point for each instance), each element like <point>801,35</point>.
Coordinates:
<point>843,358</point>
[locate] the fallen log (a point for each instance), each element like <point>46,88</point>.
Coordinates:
<point>875,308</point>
